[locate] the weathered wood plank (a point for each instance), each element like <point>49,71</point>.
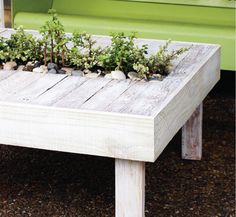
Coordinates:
<point>130,188</point>
<point>83,93</point>
<point>59,91</point>
<point>36,88</point>
<point>77,131</point>
<point>5,74</point>
<point>192,136</point>
<point>16,82</point>
<point>127,97</point>
<point>107,95</point>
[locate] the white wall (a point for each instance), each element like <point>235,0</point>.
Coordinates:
<point>1,14</point>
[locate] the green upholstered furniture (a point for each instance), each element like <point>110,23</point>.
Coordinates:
<point>210,21</point>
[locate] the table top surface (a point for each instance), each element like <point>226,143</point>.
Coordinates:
<point>102,94</point>
<point>119,119</point>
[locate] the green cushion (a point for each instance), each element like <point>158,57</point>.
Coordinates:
<point>41,6</point>
<point>146,11</point>
<point>151,29</point>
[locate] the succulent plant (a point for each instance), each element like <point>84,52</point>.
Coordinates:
<point>20,47</point>
<point>83,53</point>
<point>161,62</point>
<point>123,53</point>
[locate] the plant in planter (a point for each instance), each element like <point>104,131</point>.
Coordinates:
<point>54,40</point>
<point>161,62</point>
<point>123,54</point>
<point>3,49</point>
<point>122,59</point>
<point>83,54</point>
<point>20,47</point>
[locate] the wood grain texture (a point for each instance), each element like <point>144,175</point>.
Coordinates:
<point>192,136</point>
<point>83,93</point>
<point>16,82</point>
<point>107,95</point>
<point>120,119</point>
<point>76,131</point>
<point>130,188</point>
<point>179,105</point>
<point>60,90</point>
<point>5,74</point>
<point>35,89</point>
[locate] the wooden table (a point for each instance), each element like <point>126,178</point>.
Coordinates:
<point>130,121</point>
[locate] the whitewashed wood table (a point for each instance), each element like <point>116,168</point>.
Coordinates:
<point>130,121</point>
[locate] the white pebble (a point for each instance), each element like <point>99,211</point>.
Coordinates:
<point>119,75</point>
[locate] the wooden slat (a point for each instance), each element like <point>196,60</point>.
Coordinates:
<point>59,91</point>
<point>5,74</point>
<point>16,82</point>
<point>76,131</point>
<point>83,93</point>
<point>107,95</point>
<point>36,88</point>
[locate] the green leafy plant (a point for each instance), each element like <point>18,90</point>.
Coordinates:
<point>83,53</point>
<point>142,70</point>
<point>3,49</point>
<point>54,40</point>
<point>123,54</point>
<point>20,47</point>
<point>161,62</point>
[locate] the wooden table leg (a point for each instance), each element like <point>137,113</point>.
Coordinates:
<point>192,136</point>
<point>130,188</point>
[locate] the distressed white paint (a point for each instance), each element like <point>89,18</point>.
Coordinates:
<point>130,121</point>
<point>192,136</point>
<point>179,105</point>
<point>130,188</point>
<point>119,119</point>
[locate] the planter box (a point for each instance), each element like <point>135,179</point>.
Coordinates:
<point>125,120</point>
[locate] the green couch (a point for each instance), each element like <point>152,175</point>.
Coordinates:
<point>183,20</point>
